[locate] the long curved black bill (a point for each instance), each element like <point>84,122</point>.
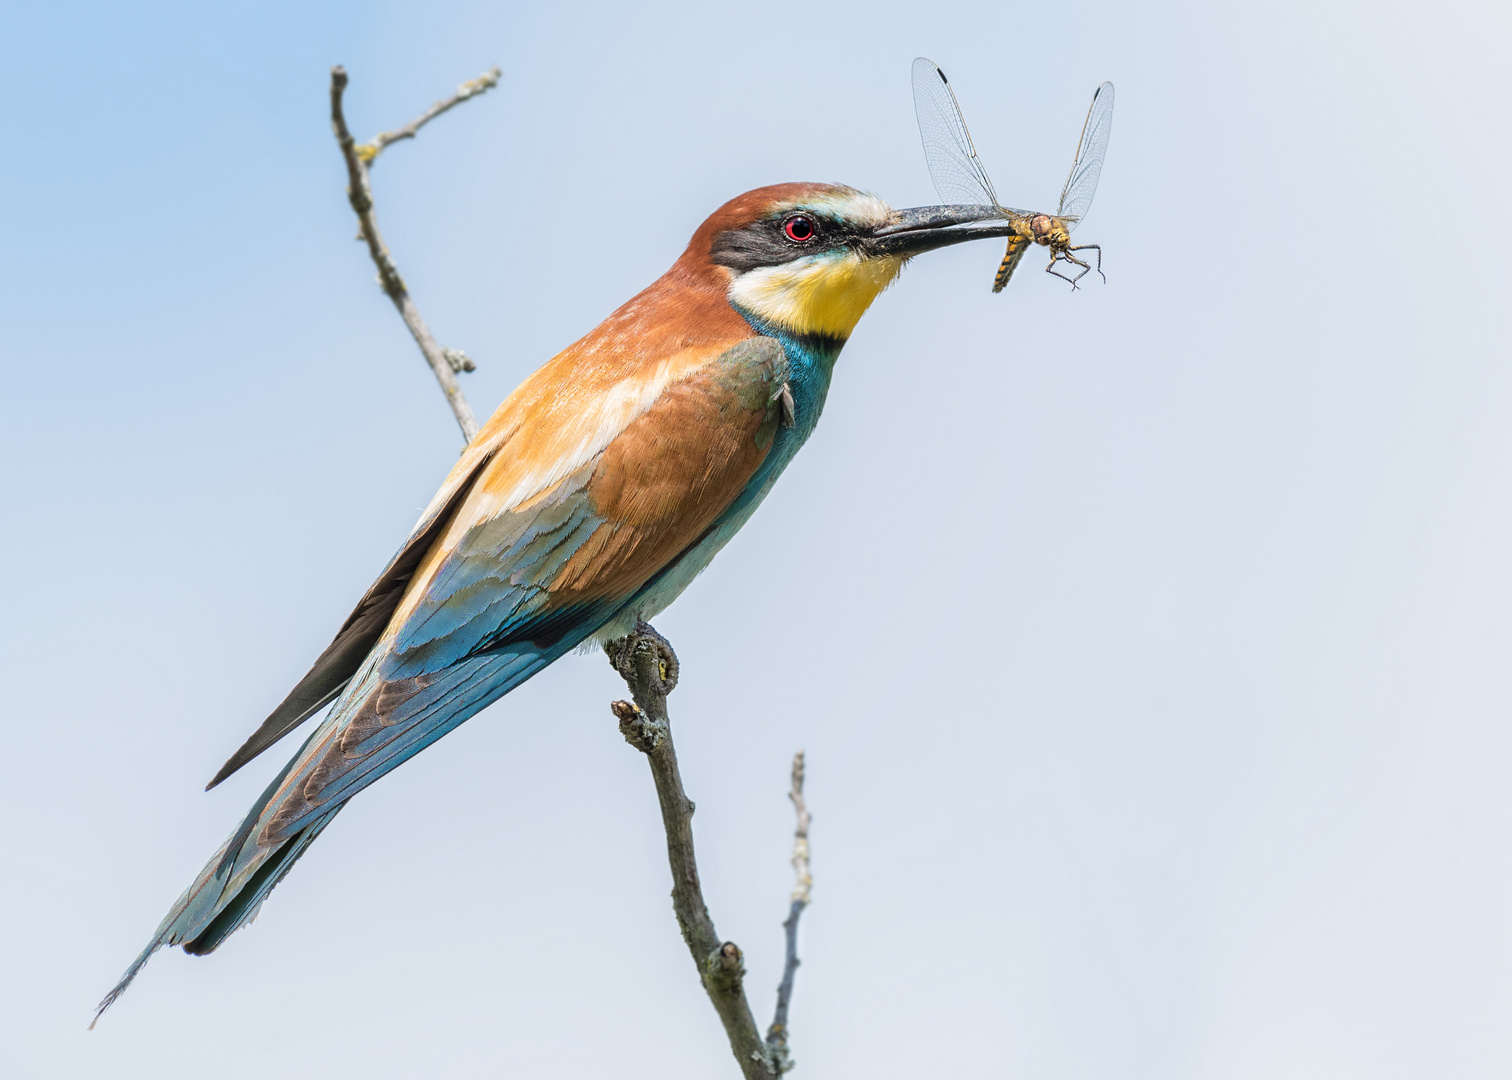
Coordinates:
<point>925,228</point>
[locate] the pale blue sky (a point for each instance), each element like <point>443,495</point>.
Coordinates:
<point>1150,644</point>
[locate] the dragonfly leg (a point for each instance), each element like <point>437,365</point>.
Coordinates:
<point>1053,272</point>
<point>1096,248</point>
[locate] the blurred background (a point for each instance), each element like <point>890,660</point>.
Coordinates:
<point>1149,644</point>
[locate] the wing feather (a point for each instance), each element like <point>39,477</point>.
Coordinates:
<point>535,440</point>
<point>334,667</point>
<point>507,592</point>
<point>571,500</point>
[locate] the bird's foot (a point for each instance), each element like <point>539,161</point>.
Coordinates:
<point>644,638</point>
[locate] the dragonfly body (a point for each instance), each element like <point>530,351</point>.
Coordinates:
<point>1018,243</point>
<point>1047,231</point>
<point>960,177</point>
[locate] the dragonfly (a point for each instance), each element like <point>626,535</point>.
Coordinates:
<point>959,176</point>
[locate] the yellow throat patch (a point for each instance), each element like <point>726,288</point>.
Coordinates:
<point>825,293</point>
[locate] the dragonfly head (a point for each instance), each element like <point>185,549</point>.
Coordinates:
<point>810,258</point>
<point>1049,231</point>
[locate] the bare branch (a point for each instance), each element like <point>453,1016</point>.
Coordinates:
<point>776,1037</point>
<point>361,196</point>
<point>369,151</point>
<point>800,835</point>
<point>649,666</point>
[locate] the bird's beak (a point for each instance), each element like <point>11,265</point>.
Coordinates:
<point>924,228</point>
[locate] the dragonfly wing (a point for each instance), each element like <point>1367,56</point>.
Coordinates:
<point>953,163</point>
<point>1081,183</point>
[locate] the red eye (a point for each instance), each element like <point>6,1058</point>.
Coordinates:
<point>799,228</point>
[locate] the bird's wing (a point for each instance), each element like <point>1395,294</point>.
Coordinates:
<point>580,549</point>
<point>508,589</point>
<point>655,446</point>
<point>334,668</point>
<point>510,583</point>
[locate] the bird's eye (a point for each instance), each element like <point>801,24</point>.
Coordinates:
<point>799,228</point>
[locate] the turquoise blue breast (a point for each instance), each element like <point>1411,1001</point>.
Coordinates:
<point>811,362</point>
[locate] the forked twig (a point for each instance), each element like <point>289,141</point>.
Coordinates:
<point>444,363</point>
<point>645,660</point>
<point>649,666</point>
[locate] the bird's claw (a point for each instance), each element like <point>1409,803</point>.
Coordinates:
<point>622,652</point>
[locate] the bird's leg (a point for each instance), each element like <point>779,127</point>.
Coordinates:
<point>621,652</point>
<point>667,659</point>
<point>645,660</point>
<point>1096,248</point>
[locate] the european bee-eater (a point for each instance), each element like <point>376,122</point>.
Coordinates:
<point>590,500</point>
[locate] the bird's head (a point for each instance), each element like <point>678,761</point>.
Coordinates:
<point>810,258</point>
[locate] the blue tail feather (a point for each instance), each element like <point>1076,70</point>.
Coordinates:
<point>231,888</point>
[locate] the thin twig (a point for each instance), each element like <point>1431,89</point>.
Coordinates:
<point>776,1037</point>
<point>800,835</point>
<point>361,195</point>
<point>649,666</point>
<point>369,151</point>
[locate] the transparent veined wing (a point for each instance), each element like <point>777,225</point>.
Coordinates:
<point>953,163</point>
<point>1081,183</point>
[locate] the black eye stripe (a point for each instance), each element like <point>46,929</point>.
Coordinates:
<point>769,242</point>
